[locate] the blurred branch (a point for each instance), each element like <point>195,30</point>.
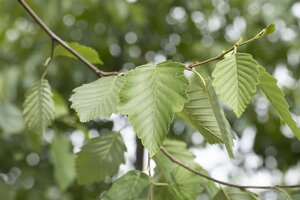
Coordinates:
<point>174,160</point>
<point>57,39</point>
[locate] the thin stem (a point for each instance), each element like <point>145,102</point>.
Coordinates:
<point>174,160</point>
<point>150,195</point>
<point>57,39</point>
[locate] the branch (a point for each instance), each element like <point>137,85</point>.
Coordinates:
<point>57,39</point>
<point>174,160</point>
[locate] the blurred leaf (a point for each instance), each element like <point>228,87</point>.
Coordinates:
<point>100,157</point>
<point>283,195</point>
<point>39,108</point>
<point>61,108</point>
<point>87,52</point>
<point>234,194</point>
<point>98,99</point>
<point>11,120</point>
<point>6,192</point>
<point>134,185</point>
<point>269,86</point>
<point>150,96</point>
<point>63,160</point>
<point>235,80</point>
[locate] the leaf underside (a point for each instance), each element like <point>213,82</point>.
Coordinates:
<point>268,84</point>
<point>199,111</point>
<point>134,185</point>
<point>39,108</point>
<point>100,157</point>
<point>235,80</point>
<point>98,99</point>
<point>150,96</point>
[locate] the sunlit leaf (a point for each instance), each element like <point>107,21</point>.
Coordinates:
<point>39,106</point>
<point>132,186</point>
<point>235,80</point>
<point>150,96</point>
<point>269,86</point>
<point>100,157</point>
<point>98,99</point>
<point>87,52</point>
<point>63,160</point>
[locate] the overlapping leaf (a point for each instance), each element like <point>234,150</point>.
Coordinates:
<point>100,157</point>
<point>150,96</point>
<point>235,80</point>
<point>234,194</point>
<point>39,106</point>
<point>200,113</point>
<point>181,184</point>
<point>98,99</point>
<point>87,52</point>
<point>269,86</point>
<point>63,160</point>
<point>132,186</point>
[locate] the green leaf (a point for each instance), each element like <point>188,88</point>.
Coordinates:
<point>200,113</point>
<point>269,86</point>
<point>100,157</point>
<point>150,96</point>
<point>98,99</point>
<point>134,185</point>
<point>235,80</point>
<point>221,119</point>
<point>61,108</point>
<point>11,120</point>
<point>63,161</point>
<point>87,52</point>
<point>234,194</point>
<point>283,195</point>
<point>39,109</point>
<point>268,30</point>
<point>181,184</point>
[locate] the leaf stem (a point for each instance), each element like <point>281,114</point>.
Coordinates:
<point>174,160</point>
<point>57,39</point>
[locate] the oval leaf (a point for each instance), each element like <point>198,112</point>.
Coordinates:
<point>100,157</point>
<point>98,99</point>
<point>235,80</point>
<point>39,109</point>
<point>150,96</point>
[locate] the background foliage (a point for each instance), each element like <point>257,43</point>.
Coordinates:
<point>127,34</point>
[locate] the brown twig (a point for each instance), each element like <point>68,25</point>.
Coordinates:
<point>174,160</point>
<point>57,39</point>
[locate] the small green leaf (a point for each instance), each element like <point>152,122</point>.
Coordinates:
<point>234,194</point>
<point>98,99</point>
<point>134,185</point>
<point>63,161</point>
<point>39,109</point>
<point>100,157</point>
<point>268,30</point>
<point>87,52</point>
<point>269,86</point>
<point>150,96</point>
<point>235,80</point>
